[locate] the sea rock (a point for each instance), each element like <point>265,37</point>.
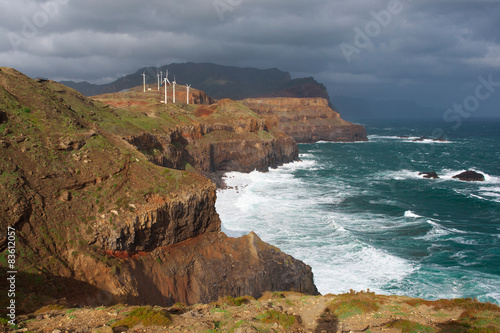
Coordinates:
<point>470,176</point>
<point>431,175</point>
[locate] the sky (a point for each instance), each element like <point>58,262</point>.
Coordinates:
<point>438,53</point>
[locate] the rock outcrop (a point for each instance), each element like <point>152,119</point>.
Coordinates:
<point>470,176</point>
<point>97,222</point>
<point>430,175</point>
<point>306,120</point>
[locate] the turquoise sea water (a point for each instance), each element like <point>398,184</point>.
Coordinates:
<point>361,216</point>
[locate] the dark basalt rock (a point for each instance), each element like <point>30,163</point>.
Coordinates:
<point>470,176</point>
<point>431,175</point>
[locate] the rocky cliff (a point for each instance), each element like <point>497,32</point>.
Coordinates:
<point>98,223</point>
<point>224,136</point>
<point>306,119</point>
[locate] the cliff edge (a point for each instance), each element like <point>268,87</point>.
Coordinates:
<point>306,120</point>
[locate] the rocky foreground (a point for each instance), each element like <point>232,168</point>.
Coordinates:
<point>277,312</point>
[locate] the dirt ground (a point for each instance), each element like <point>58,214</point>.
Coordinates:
<point>276,312</point>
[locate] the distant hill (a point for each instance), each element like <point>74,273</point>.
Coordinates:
<point>354,109</point>
<point>216,80</point>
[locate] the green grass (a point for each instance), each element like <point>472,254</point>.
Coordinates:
<point>238,301</point>
<point>273,316</point>
<point>145,315</point>
<point>354,303</point>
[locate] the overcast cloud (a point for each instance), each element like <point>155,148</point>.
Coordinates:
<point>429,51</point>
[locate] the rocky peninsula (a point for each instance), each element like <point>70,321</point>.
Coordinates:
<point>110,203</point>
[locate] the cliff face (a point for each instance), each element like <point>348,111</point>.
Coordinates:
<point>97,222</point>
<point>203,269</point>
<point>306,119</point>
<point>215,148</point>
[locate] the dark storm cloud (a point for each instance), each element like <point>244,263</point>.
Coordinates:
<point>423,46</point>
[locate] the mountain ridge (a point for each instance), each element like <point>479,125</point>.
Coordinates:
<point>219,81</point>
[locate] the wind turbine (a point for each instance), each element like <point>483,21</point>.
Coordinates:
<point>187,93</point>
<point>144,80</point>
<point>174,83</point>
<point>158,77</point>
<point>161,76</point>
<point>165,80</point>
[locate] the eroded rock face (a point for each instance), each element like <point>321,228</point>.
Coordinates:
<point>245,147</point>
<point>306,119</point>
<point>470,176</point>
<point>204,268</point>
<point>162,221</point>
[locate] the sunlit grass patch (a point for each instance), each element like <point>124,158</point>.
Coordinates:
<point>354,303</point>
<point>273,316</point>
<point>145,315</point>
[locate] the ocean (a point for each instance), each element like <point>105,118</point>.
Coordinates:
<point>361,216</point>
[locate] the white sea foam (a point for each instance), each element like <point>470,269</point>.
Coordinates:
<point>342,142</point>
<point>438,231</point>
<point>462,240</point>
<point>397,175</point>
<point>409,213</point>
<point>391,137</point>
<point>435,233</point>
<point>427,141</point>
<point>284,212</point>
<point>415,139</point>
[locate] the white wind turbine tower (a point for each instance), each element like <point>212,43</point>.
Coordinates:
<point>144,80</point>
<point>187,93</point>
<point>158,77</point>
<point>174,83</point>
<point>165,80</point>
